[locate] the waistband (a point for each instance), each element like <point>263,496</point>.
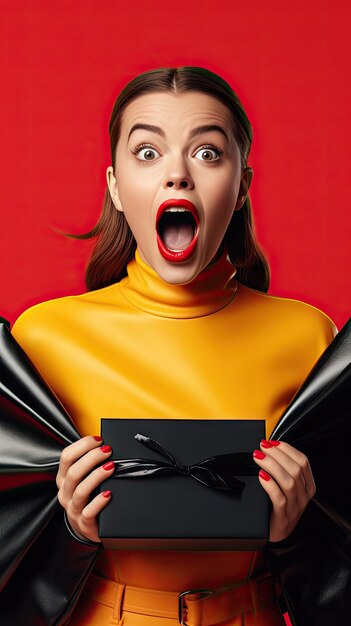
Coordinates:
<point>195,607</point>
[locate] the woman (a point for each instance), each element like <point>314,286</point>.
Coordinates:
<point>177,324</point>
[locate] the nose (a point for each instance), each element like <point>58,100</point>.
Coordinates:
<point>178,176</point>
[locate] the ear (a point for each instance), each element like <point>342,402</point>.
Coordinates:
<point>245,183</point>
<point>113,188</point>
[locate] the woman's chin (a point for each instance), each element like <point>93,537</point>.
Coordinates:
<point>177,273</point>
<point>173,272</point>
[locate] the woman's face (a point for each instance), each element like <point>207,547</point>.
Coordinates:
<point>178,179</point>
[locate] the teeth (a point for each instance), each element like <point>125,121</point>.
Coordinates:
<point>175,210</point>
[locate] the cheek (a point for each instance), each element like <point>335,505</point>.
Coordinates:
<point>220,202</point>
<point>136,191</point>
<point>137,210</point>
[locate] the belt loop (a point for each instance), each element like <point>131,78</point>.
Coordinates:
<point>253,586</point>
<point>117,609</point>
<point>196,605</point>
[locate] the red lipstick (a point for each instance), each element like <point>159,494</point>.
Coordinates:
<point>177,255</point>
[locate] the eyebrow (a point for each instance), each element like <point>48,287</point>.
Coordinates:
<point>199,130</point>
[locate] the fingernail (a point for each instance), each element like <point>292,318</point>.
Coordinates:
<point>106,494</point>
<point>108,466</point>
<point>258,454</point>
<point>97,438</point>
<point>264,475</point>
<point>266,444</point>
<point>274,443</point>
<point>105,449</point>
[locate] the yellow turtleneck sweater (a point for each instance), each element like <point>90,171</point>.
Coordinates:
<point>144,348</point>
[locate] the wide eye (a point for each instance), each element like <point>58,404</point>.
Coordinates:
<point>209,153</point>
<point>146,153</point>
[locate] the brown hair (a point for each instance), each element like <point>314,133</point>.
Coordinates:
<point>116,245</point>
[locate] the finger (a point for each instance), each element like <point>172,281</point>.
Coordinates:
<point>86,524</point>
<point>283,524</point>
<point>84,489</point>
<point>295,455</point>
<point>95,507</point>
<point>79,470</point>
<point>73,452</point>
<point>291,465</point>
<point>277,497</point>
<point>292,486</point>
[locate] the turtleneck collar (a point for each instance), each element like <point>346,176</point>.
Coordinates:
<point>212,290</point>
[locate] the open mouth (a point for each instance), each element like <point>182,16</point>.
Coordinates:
<point>177,228</point>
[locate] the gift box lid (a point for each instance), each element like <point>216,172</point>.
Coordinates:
<point>178,511</point>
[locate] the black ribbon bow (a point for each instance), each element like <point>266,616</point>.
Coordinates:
<point>217,472</point>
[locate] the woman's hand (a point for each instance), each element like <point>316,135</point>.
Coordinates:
<point>287,478</point>
<point>76,480</point>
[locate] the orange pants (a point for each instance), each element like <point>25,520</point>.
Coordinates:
<point>106,603</point>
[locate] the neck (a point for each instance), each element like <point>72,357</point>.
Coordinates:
<point>213,289</point>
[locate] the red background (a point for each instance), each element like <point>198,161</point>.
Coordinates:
<point>62,66</point>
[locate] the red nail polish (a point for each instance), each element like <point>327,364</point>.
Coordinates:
<point>259,455</point>
<point>97,438</point>
<point>274,443</point>
<point>105,449</point>
<point>106,494</point>
<point>108,466</point>
<point>264,475</point>
<point>266,444</point>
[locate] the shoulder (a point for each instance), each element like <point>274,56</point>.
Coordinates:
<point>36,322</point>
<point>62,316</point>
<point>302,321</point>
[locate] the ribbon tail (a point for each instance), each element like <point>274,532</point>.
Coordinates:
<point>152,444</point>
<point>226,484</point>
<point>140,468</point>
<point>236,463</point>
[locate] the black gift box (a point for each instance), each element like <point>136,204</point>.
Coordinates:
<point>178,512</point>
